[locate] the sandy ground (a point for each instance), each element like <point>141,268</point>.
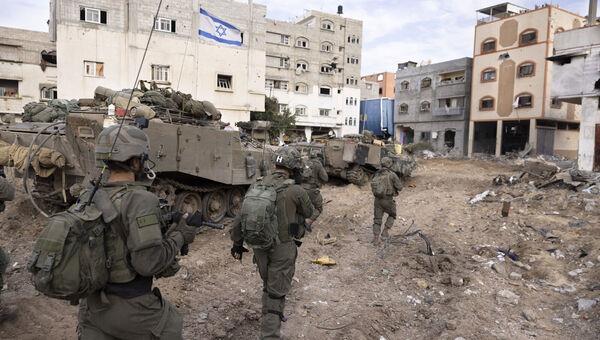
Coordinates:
<point>395,291</point>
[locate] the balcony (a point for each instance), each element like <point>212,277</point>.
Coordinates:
<point>448,111</point>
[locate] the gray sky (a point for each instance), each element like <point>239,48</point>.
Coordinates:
<point>394,30</point>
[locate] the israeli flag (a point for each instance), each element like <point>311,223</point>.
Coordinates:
<point>218,30</point>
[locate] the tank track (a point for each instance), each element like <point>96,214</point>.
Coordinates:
<point>193,188</point>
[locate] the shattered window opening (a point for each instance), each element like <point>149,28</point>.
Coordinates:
<point>49,93</point>
<point>426,83</point>
<point>93,68</point>
<point>224,82</point>
<point>404,85</point>
<point>524,101</point>
<point>403,108</point>
<point>9,88</point>
<point>425,106</point>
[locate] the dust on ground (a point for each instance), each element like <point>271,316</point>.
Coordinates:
<point>396,291</point>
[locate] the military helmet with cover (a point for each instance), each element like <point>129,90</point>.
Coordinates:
<point>387,162</point>
<point>132,142</point>
<point>288,158</point>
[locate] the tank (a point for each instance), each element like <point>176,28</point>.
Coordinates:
<point>198,166</point>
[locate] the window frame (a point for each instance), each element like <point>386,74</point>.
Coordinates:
<point>301,92</point>
<point>218,86</point>
<point>321,87</point>
<point>554,105</point>
<point>327,22</point>
<point>400,108</point>
<point>321,110</point>
<point>43,90</point>
<point>301,107</point>
<point>528,31</point>
<point>326,43</point>
<point>403,87</point>
<point>91,9</point>
<point>488,69</point>
<point>158,25</point>
<point>526,62</point>
<point>327,66</point>
<point>523,94</point>
<point>160,68</point>
<point>482,99</point>
<point>488,40</point>
<point>302,39</point>
<point>426,109</point>
<point>423,80</point>
<point>95,67</point>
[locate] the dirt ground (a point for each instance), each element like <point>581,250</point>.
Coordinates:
<point>466,289</point>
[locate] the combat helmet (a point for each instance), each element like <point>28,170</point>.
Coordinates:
<point>288,158</point>
<point>132,142</point>
<point>387,162</point>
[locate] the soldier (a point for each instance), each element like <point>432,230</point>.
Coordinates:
<point>276,263</point>
<point>385,185</point>
<point>7,193</point>
<point>313,177</point>
<point>128,307</point>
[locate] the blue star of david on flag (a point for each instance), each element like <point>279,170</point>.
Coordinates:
<point>218,30</point>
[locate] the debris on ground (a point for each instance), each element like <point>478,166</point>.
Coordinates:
<point>324,261</point>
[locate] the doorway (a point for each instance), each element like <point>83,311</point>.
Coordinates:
<point>515,135</point>
<point>449,138</point>
<point>484,137</point>
<point>545,140</point>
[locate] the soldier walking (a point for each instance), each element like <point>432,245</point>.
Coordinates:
<point>268,224</point>
<point>384,185</point>
<point>313,177</point>
<point>7,193</point>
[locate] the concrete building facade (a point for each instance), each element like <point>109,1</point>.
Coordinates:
<point>313,69</point>
<point>101,43</point>
<point>511,106</point>
<point>576,80</point>
<point>369,89</point>
<point>24,76</point>
<point>386,83</point>
<point>432,104</point>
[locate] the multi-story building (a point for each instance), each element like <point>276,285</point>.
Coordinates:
<point>511,106</point>
<point>385,81</point>
<point>432,103</point>
<point>576,80</point>
<point>101,43</point>
<point>313,69</point>
<point>369,89</point>
<point>27,69</point>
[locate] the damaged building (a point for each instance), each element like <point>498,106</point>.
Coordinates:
<point>511,105</point>
<point>576,80</point>
<point>432,104</point>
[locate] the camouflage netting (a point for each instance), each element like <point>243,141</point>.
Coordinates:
<point>44,163</point>
<point>52,111</point>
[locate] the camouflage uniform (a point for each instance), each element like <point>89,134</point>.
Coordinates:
<point>386,203</point>
<point>7,193</point>
<point>277,265</point>
<point>315,176</point>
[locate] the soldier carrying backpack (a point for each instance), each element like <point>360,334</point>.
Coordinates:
<point>384,185</point>
<point>271,223</point>
<point>106,253</point>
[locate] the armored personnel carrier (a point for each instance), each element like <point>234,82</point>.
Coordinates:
<point>198,165</point>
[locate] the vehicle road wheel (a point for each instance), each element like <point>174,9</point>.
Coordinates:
<point>235,197</point>
<point>357,176</point>
<point>215,206</point>
<point>188,202</point>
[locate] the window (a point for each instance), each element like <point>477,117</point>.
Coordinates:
<point>282,108</point>
<point>425,106</point>
<point>524,100</point>
<point>93,68</point>
<point>92,15</point>
<point>302,42</point>
<point>278,62</point>
<point>301,88</point>
<point>353,39</point>
<point>164,25</point>
<point>285,39</point>
<point>559,30</point>
<point>326,47</point>
<point>325,91</point>
<point>528,37</point>
<point>555,103</point>
<point>224,82</point>
<point>351,81</point>
<point>404,85</point>
<point>326,68</point>
<point>486,104</point>
<point>160,73</point>
<point>327,25</point>
<point>300,110</point>
<point>351,101</point>
<point>352,60</point>
<point>451,102</point>
<point>276,84</point>
<point>324,112</point>
<point>526,69</point>
<point>426,136</point>
<point>425,83</point>
<point>48,93</point>
<point>489,74</point>
<point>403,108</point>
<point>9,88</point>
<point>488,45</point>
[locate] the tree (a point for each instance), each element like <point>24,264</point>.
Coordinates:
<point>280,122</point>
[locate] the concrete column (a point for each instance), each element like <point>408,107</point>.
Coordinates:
<point>308,133</point>
<point>533,135</point>
<point>499,139</point>
<point>471,138</point>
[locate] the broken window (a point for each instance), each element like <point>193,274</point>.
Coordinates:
<point>489,74</point>
<point>488,45</point>
<point>92,15</point>
<point>164,25</point>
<point>302,42</point>
<point>425,83</point>
<point>528,37</point>
<point>425,106</point>
<point>301,88</point>
<point>48,93</point>
<point>224,82</point>
<point>403,108</point>
<point>486,103</point>
<point>524,100</point>
<point>300,110</point>
<point>93,68</point>
<point>327,25</point>
<point>555,103</point>
<point>404,85</point>
<point>324,112</point>
<point>326,68</point>
<point>160,73</point>
<point>526,70</point>
<point>326,47</point>
<point>325,91</point>
<point>9,88</point>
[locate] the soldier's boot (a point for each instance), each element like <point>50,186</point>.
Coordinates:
<point>376,233</point>
<point>388,225</point>
<point>272,317</point>
<point>7,313</point>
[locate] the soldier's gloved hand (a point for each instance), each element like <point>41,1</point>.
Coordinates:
<point>238,251</point>
<point>188,232</point>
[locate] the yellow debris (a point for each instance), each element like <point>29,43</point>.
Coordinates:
<point>324,261</point>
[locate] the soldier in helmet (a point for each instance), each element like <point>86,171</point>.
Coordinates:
<point>313,177</point>
<point>7,193</point>
<point>385,185</point>
<point>128,307</point>
<point>276,264</point>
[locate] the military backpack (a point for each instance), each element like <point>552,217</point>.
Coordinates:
<point>381,184</point>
